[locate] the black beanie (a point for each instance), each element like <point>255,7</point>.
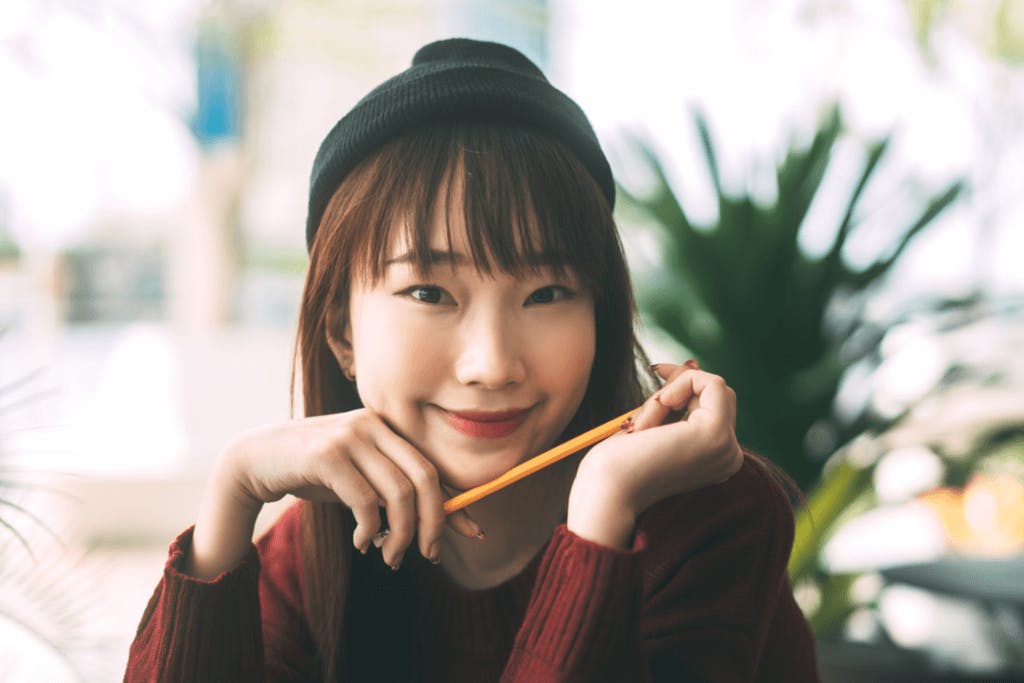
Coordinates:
<point>453,80</point>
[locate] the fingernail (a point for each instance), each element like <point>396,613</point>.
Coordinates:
<point>657,395</point>
<point>630,424</point>
<point>692,364</point>
<point>394,567</point>
<point>654,366</point>
<point>378,538</point>
<point>480,535</point>
<point>434,554</point>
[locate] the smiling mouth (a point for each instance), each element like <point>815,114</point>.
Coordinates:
<point>486,425</point>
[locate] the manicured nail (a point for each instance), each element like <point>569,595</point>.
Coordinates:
<point>657,396</point>
<point>627,424</point>
<point>692,364</point>
<point>480,534</point>
<point>394,567</point>
<point>477,531</point>
<point>361,548</point>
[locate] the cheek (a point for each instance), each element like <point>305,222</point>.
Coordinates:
<point>568,352</point>
<point>393,355</point>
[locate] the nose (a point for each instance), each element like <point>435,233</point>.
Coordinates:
<point>490,353</point>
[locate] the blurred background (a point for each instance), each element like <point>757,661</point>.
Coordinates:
<point>820,200</point>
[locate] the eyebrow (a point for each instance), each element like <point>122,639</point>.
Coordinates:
<point>438,257</point>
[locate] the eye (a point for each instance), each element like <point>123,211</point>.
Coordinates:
<point>550,294</point>
<point>428,294</point>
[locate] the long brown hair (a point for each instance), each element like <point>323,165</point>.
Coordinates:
<point>523,193</point>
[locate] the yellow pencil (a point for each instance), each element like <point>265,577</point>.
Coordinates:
<point>552,455</point>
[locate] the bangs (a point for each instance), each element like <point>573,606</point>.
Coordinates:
<point>526,201</point>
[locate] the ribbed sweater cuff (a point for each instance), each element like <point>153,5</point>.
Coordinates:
<point>582,616</point>
<point>204,630</point>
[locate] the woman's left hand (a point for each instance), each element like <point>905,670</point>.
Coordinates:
<point>683,438</point>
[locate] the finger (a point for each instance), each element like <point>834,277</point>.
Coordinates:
<point>666,370</point>
<point>352,488</point>
<point>711,392</point>
<point>655,410</point>
<point>461,523</point>
<point>423,475</point>
<point>399,497</point>
<point>651,414</point>
<point>672,397</point>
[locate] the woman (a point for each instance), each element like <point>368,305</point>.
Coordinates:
<point>468,306</point>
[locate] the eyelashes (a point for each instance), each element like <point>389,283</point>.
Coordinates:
<point>433,295</point>
<point>551,294</point>
<point>427,294</point>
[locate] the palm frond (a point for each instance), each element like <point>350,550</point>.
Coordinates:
<point>743,297</point>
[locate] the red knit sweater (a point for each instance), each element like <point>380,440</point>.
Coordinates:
<point>703,595</point>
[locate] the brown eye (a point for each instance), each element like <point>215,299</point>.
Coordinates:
<point>550,294</point>
<point>427,294</point>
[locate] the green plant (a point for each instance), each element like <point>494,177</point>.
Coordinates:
<point>749,304</point>
<point>10,401</point>
<point>50,622</point>
<point>967,441</point>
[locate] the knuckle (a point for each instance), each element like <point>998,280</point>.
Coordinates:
<point>320,446</point>
<point>425,476</point>
<point>366,504</point>
<point>347,431</point>
<point>404,492</point>
<point>733,461</point>
<point>726,443</point>
<point>323,465</point>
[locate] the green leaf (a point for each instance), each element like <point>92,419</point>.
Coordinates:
<point>708,148</point>
<point>832,265</point>
<point>935,207</point>
<point>843,484</point>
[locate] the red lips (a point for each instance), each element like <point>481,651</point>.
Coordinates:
<point>487,425</point>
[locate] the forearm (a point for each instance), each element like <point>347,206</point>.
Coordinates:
<point>224,525</point>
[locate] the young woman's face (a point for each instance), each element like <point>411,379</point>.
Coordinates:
<point>479,372</point>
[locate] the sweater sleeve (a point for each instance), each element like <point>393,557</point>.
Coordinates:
<point>246,624</point>
<point>694,599</point>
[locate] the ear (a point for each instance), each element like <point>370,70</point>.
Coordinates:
<point>339,337</point>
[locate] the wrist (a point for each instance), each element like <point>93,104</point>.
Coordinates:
<point>600,516</point>
<point>224,526</point>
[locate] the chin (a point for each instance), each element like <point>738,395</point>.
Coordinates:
<point>465,478</point>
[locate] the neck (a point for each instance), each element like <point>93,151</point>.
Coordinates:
<point>517,522</point>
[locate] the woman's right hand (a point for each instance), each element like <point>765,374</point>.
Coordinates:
<point>353,457</point>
